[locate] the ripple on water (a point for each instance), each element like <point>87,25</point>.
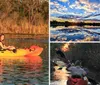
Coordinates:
<point>23,73</point>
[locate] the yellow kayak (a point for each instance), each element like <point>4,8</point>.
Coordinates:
<point>32,51</point>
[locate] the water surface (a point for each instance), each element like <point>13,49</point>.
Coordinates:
<point>31,70</point>
<point>75,33</point>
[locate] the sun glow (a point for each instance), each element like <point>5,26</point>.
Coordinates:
<point>65,47</point>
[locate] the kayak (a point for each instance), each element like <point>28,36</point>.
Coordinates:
<point>32,51</point>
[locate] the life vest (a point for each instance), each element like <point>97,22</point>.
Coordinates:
<point>76,81</point>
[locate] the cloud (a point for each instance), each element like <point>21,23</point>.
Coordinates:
<point>78,7</point>
<point>57,8</point>
<point>84,1</point>
<point>90,6</point>
<point>87,6</point>
<point>63,0</point>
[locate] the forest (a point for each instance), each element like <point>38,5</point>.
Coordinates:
<point>24,16</point>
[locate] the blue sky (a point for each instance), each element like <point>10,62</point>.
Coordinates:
<point>75,7</point>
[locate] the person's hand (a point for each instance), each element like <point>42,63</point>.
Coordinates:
<point>11,47</point>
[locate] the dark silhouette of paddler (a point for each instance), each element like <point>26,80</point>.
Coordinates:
<point>61,55</point>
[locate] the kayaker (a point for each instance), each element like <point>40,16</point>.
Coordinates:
<point>78,76</point>
<point>60,53</point>
<point>3,47</point>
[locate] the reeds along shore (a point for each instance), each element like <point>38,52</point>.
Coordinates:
<point>24,16</point>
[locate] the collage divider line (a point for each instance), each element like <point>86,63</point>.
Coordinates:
<point>49,42</point>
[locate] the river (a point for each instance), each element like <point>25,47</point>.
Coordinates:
<point>27,70</point>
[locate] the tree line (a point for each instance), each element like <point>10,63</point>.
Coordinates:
<point>67,23</point>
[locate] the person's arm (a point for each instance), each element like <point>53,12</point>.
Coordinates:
<point>3,46</point>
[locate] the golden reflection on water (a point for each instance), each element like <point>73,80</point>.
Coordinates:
<point>34,62</point>
<point>23,64</point>
<point>1,67</point>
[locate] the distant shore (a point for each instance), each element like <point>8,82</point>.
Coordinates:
<point>20,35</point>
<point>67,23</point>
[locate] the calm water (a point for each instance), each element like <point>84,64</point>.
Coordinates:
<point>75,33</point>
<point>27,70</point>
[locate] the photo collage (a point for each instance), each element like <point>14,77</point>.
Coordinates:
<point>49,42</point>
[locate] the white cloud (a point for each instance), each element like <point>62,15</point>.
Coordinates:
<point>60,9</point>
<point>85,5</point>
<point>55,11</point>
<point>88,7</point>
<point>51,3</point>
<point>63,0</point>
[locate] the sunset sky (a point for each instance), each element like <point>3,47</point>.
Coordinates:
<point>83,8</point>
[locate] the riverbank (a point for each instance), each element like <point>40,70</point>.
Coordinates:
<point>19,35</point>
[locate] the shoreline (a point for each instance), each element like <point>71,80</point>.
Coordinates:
<point>20,35</point>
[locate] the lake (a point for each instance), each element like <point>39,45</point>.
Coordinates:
<point>27,70</point>
<point>75,33</point>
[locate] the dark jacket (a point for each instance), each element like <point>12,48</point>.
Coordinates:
<point>60,53</point>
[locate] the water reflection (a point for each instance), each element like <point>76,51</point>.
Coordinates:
<point>75,33</point>
<point>33,63</point>
<point>1,67</point>
<point>21,70</point>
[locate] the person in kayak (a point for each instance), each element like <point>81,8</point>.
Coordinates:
<point>3,47</point>
<point>78,76</point>
<point>61,55</point>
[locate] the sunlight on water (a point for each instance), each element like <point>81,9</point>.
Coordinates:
<point>20,70</point>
